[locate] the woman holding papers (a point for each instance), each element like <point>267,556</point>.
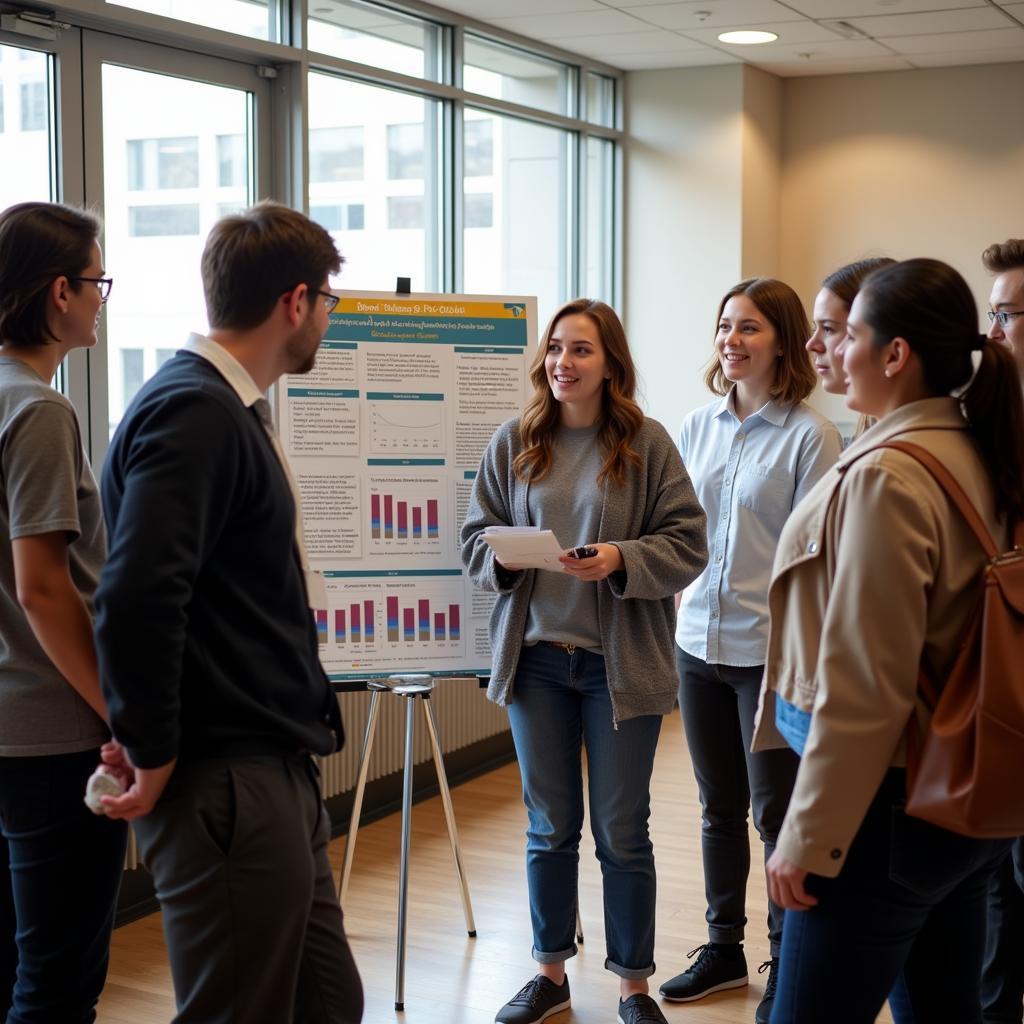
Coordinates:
<point>61,864</point>
<point>753,453</point>
<point>582,655</point>
<point>875,582</point>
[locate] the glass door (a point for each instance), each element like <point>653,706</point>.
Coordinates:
<point>181,140</point>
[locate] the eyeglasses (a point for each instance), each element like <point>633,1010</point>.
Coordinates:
<point>1004,316</point>
<point>330,301</point>
<point>104,284</point>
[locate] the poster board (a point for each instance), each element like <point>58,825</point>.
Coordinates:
<point>384,437</point>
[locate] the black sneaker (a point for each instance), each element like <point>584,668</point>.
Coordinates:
<point>640,1009</point>
<point>535,1001</point>
<point>764,1008</point>
<point>717,968</point>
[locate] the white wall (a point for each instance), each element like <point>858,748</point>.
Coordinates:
<point>731,172</point>
<point>903,163</point>
<point>703,181</point>
<point>683,225</point>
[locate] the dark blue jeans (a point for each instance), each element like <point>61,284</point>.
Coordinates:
<point>58,893</point>
<point>841,958</point>
<point>561,703</point>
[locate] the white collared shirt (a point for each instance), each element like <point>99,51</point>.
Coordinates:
<point>749,476</point>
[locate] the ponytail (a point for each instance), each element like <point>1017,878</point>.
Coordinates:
<point>994,407</point>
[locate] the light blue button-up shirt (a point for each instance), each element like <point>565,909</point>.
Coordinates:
<point>749,476</point>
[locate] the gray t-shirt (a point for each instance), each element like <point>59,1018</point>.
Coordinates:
<point>567,500</point>
<point>46,485</point>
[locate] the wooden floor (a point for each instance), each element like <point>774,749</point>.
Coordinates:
<point>452,979</point>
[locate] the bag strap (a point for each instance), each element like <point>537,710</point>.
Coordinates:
<point>949,485</point>
<point>953,490</point>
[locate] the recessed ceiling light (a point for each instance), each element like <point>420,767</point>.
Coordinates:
<point>747,37</point>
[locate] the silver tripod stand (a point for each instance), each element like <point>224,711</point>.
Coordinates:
<point>411,688</point>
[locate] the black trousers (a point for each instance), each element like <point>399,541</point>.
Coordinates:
<point>718,703</point>
<point>1002,980</point>
<point>60,868</point>
<point>238,852</point>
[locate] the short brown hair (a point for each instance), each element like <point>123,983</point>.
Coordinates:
<point>794,375</point>
<point>252,258</point>
<point>621,417</point>
<point>39,242</point>
<point>1003,256</point>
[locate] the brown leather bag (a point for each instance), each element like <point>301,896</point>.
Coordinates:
<point>966,773</point>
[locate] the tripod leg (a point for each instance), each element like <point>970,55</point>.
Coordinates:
<point>403,882</point>
<point>449,814</point>
<point>357,800</point>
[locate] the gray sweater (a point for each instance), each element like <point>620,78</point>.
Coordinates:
<point>657,523</point>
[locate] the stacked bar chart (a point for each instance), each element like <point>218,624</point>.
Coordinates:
<point>392,518</point>
<point>321,626</point>
<point>415,622</point>
<point>354,624</point>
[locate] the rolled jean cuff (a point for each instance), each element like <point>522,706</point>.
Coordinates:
<point>725,934</point>
<point>554,958</point>
<point>633,973</point>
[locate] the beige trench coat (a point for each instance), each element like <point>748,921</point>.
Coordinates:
<point>872,580</point>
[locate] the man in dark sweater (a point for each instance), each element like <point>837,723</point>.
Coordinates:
<point>208,650</point>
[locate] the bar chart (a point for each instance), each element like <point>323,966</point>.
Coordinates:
<point>405,515</point>
<point>355,624</point>
<point>413,622</point>
<point>403,520</point>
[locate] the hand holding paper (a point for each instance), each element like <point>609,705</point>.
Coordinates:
<point>525,547</point>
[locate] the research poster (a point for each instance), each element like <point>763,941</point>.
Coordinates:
<point>384,438</point>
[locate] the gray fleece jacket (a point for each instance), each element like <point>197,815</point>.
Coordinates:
<point>657,523</point>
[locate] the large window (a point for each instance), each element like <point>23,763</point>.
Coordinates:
<point>371,34</point>
<point>163,163</point>
<point>26,136</point>
<point>336,154</point>
<point>509,73</point>
<point>158,206</point>
<point>516,220</point>
<point>248,17</point>
<point>382,202</point>
<point>430,149</point>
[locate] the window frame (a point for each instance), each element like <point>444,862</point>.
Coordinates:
<point>275,70</point>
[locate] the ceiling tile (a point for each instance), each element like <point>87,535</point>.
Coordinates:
<point>628,5</point>
<point>629,42</point>
<point>552,27</point>
<point>865,8</point>
<point>964,42</point>
<point>971,19</point>
<point>722,13</point>
<point>1015,11</point>
<point>655,61</point>
<point>840,49</point>
<point>832,66</point>
<point>789,33</point>
<point>485,10</point>
<point>958,58</point>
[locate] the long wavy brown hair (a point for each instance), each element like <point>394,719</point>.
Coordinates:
<point>620,418</point>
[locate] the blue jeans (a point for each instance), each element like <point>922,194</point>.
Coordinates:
<point>841,958</point>
<point>58,893</point>
<point>561,703</point>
